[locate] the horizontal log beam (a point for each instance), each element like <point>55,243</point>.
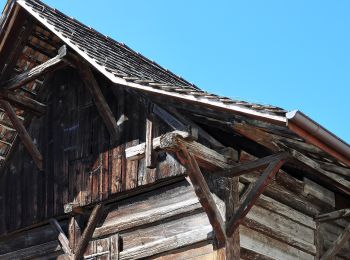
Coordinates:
<point>252,166</point>
<point>23,134</point>
<point>342,213</point>
<point>32,74</point>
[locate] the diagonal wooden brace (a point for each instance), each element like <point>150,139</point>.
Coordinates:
<point>62,238</point>
<point>23,134</point>
<point>337,244</point>
<point>254,194</point>
<point>205,197</point>
<point>95,217</point>
<point>101,104</point>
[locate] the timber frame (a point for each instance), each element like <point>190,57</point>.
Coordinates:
<point>119,128</point>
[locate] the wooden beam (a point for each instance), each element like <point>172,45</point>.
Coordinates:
<point>23,102</point>
<point>337,244</point>
<point>101,104</point>
<point>171,142</point>
<point>149,152</point>
<point>253,195</point>
<point>23,134</point>
<point>32,74</point>
<point>205,197</point>
<point>342,213</point>
<point>62,238</point>
<point>95,217</point>
<point>168,118</point>
<point>232,247</point>
<point>258,164</point>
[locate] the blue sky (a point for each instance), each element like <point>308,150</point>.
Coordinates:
<point>293,54</point>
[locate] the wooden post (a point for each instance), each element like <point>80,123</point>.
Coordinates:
<point>205,197</point>
<point>23,134</point>
<point>232,249</point>
<point>95,217</point>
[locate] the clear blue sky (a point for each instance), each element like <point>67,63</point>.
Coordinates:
<point>294,54</point>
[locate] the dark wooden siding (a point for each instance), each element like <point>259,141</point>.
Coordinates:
<point>81,164</point>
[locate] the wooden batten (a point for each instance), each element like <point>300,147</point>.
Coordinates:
<point>149,151</point>
<point>23,134</point>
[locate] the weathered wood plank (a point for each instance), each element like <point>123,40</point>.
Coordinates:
<point>337,245</point>
<point>149,153</point>
<point>205,197</point>
<point>23,134</point>
<point>258,189</point>
<point>166,244</point>
<point>34,251</point>
<point>28,76</point>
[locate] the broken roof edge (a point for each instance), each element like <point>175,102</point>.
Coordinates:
<point>323,141</point>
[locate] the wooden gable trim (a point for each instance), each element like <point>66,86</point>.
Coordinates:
<point>23,134</point>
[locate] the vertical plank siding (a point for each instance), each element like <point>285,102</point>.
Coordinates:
<point>81,162</point>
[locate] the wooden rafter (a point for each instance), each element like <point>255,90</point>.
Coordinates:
<point>95,217</point>
<point>337,244</point>
<point>32,74</point>
<point>342,213</point>
<point>23,134</point>
<point>254,194</point>
<point>101,104</point>
<point>62,238</point>
<point>205,197</point>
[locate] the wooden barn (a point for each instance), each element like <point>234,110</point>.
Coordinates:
<point>104,154</point>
